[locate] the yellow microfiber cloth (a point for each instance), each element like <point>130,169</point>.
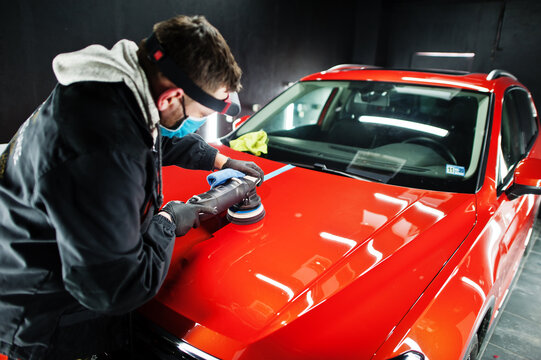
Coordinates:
<point>254,142</point>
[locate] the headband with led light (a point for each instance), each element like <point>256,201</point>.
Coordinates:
<point>157,55</point>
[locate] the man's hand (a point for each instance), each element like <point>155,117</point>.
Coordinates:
<point>248,167</point>
<point>186,216</point>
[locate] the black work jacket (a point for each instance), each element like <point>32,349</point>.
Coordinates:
<point>80,243</point>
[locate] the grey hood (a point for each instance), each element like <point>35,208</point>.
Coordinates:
<point>120,64</point>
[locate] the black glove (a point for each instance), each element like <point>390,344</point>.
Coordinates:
<point>186,216</point>
<point>248,167</point>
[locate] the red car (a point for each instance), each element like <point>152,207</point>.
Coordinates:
<point>398,207</point>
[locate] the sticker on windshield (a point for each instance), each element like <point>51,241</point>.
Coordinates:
<point>455,170</point>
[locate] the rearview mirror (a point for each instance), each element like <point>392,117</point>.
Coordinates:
<point>527,179</point>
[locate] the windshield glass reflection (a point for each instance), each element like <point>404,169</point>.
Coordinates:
<point>412,135</point>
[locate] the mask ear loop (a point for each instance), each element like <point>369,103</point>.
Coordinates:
<point>183,109</point>
<point>164,96</point>
<point>184,117</point>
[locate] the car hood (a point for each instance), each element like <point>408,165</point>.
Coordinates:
<point>326,242</point>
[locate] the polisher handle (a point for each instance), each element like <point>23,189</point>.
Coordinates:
<point>222,197</point>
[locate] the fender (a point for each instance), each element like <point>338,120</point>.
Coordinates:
<point>480,325</point>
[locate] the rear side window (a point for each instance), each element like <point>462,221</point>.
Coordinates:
<point>526,116</point>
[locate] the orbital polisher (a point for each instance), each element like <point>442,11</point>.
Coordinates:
<point>238,196</point>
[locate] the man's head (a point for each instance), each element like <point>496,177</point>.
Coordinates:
<point>200,52</point>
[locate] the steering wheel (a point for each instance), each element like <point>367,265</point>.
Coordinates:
<point>435,145</point>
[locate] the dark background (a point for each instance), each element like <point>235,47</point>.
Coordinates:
<point>274,41</point>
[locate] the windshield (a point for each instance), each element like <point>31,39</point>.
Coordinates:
<point>409,135</point>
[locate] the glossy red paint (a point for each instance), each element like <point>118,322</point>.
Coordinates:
<point>528,172</point>
<point>343,268</point>
<point>474,283</point>
<point>240,121</point>
<point>246,282</point>
<point>477,82</point>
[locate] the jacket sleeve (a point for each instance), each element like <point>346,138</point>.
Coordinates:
<point>94,204</point>
<point>190,152</point>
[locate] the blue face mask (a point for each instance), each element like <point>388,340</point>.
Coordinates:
<point>188,126</point>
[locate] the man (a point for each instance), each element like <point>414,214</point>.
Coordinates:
<point>82,242</point>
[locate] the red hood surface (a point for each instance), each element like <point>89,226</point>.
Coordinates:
<point>327,245</point>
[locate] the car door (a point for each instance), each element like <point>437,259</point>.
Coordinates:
<point>517,134</point>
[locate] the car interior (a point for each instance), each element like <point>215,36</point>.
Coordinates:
<point>424,130</point>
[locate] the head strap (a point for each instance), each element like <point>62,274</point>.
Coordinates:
<point>158,56</point>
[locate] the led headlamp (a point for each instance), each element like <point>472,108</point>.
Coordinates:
<point>158,56</point>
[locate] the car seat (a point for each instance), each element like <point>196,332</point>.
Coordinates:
<point>346,129</point>
<point>461,120</point>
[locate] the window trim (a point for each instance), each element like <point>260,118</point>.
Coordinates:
<point>486,147</point>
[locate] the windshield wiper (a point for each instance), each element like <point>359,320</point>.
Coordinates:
<point>324,168</point>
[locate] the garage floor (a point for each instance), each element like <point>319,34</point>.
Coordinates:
<point>517,334</point>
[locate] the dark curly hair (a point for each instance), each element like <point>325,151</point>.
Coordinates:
<point>199,50</point>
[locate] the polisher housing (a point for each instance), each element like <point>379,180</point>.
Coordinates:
<point>238,196</point>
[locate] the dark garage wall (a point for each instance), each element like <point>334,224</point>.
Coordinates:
<point>502,34</point>
<point>274,42</point>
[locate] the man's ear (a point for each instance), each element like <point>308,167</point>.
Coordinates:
<point>166,98</point>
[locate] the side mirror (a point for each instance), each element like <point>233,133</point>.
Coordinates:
<point>527,179</point>
<point>240,121</point>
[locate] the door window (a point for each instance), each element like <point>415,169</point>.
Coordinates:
<point>518,131</point>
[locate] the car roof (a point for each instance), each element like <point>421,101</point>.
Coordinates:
<point>447,78</point>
